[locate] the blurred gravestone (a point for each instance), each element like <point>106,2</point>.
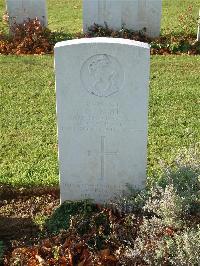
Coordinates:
<point>22,10</point>
<point>135,15</point>
<point>198,29</point>
<point>102,103</point>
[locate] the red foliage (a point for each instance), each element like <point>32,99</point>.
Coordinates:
<point>32,38</point>
<point>27,38</point>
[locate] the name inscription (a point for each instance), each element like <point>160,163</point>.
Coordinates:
<point>98,117</point>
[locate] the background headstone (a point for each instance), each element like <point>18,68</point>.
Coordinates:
<point>102,103</point>
<point>132,14</point>
<point>198,29</point>
<point>21,10</point>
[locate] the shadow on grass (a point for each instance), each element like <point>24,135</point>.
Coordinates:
<point>17,228</point>
<point>8,192</point>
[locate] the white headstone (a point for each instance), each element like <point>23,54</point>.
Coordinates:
<point>198,29</point>
<point>22,10</point>
<point>132,14</point>
<point>102,102</point>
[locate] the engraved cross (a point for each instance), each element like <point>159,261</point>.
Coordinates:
<point>103,153</point>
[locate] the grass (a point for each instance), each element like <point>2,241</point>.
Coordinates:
<point>67,14</point>
<point>70,15</point>
<point>28,141</point>
<point>171,10</point>
<point>173,107</point>
<point>28,121</point>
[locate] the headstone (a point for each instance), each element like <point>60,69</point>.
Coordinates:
<point>102,102</point>
<point>22,10</point>
<point>135,15</point>
<point>198,29</point>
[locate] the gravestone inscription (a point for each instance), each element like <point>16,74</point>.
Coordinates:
<point>102,103</point>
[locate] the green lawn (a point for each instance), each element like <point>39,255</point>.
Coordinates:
<point>28,141</point>
<point>171,11</point>
<point>28,136</point>
<point>67,14</point>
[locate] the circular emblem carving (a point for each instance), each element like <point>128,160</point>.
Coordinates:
<point>102,75</point>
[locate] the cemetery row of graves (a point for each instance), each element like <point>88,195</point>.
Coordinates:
<point>124,121</point>
<point>33,37</point>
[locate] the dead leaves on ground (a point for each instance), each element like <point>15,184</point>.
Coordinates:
<point>27,38</point>
<point>32,38</point>
<point>69,247</point>
<point>69,253</point>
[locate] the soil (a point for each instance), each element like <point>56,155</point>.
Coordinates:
<point>18,209</point>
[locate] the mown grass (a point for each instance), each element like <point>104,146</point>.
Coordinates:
<point>173,107</point>
<point>28,120</point>
<point>67,14</point>
<point>28,141</point>
<point>171,11</point>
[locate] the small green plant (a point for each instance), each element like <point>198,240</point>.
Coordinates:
<point>150,243</point>
<point>133,203</point>
<point>165,234</point>
<point>167,205</point>
<point>59,36</point>
<point>63,215</point>
<point>184,247</point>
<point>40,221</point>
<point>184,176</point>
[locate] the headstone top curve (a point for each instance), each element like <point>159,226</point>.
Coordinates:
<point>105,40</point>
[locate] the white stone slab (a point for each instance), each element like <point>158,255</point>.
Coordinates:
<point>21,10</point>
<point>198,29</point>
<point>102,102</point>
<point>132,14</point>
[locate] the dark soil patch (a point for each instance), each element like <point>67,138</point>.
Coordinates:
<point>18,211</point>
<point>15,228</point>
<point>9,192</point>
